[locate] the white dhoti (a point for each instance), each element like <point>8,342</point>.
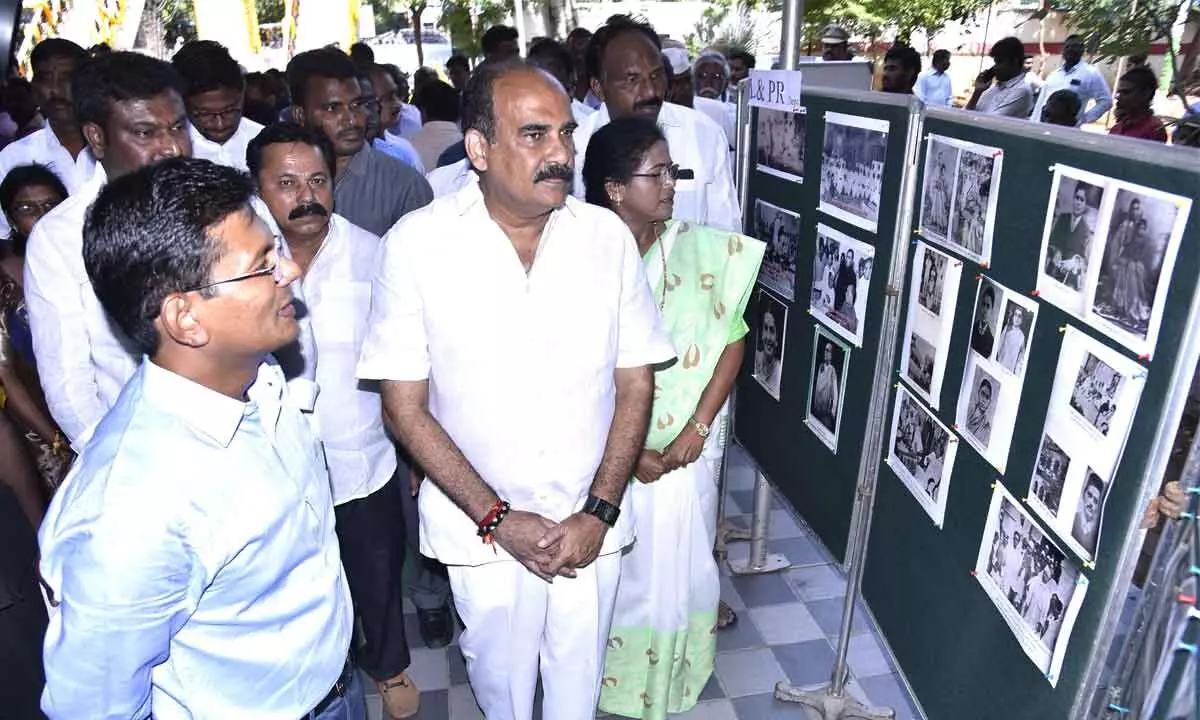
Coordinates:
<point>518,624</point>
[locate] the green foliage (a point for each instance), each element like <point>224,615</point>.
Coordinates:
<point>465,35</point>
<point>179,21</point>
<point>1121,27</point>
<point>269,11</point>
<point>394,15</point>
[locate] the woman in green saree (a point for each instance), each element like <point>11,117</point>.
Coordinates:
<point>662,645</point>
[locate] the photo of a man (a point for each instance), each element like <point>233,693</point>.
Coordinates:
<point>768,351</point>
<point>1071,232</point>
<point>826,385</point>
<point>983,333</point>
<point>1086,527</point>
<point>982,408</point>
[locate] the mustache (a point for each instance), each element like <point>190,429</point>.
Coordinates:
<point>654,103</point>
<point>313,208</point>
<point>554,172</point>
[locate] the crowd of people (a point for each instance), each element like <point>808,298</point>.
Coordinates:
<point>267,335</point>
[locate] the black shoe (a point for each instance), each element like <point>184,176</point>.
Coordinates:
<point>437,629</point>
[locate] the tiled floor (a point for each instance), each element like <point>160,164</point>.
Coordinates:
<point>788,625</point>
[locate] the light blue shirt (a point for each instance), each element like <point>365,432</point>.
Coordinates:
<point>400,149</point>
<point>933,88</point>
<point>408,121</point>
<point>192,549</point>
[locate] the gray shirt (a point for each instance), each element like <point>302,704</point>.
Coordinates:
<point>377,190</point>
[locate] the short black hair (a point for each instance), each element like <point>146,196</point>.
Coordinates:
<point>52,48</point>
<point>206,65</point>
<point>908,58</point>
<point>147,236</point>
<point>362,55</point>
<point>116,77</point>
<point>495,36</point>
<point>323,62</point>
<point>286,132</point>
<point>19,178</point>
<point>1072,104</point>
<point>478,97</point>
<point>1142,78</point>
<point>614,154</point>
<point>988,292</point>
<point>439,101</point>
<point>1010,49</point>
<point>547,53</point>
<point>985,383</point>
<point>458,59</point>
<point>1094,480</point>
<point>743,55</point>
<point>579,32</point>
<point>616,25</point>
<point>942,54</point>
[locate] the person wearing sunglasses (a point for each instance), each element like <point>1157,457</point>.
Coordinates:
<point>192,553</point>
<point>701,278</point>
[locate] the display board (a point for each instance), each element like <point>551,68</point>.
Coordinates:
<point>802,396</point>
<point>1072,365</point>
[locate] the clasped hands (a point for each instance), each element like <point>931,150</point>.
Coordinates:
<point>549,549</point>
<point>683,451</point>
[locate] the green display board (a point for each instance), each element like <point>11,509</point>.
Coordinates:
<point>818,482</point>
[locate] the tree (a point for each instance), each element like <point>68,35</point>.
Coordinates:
<point>466,21</point>
<point>269,11</point>
<point>417,8</point>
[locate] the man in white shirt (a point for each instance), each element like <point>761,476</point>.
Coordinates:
<point>710,73</point>
<point>626,69</point>
<point>933,86</point>
<point>440,111</point>
<point>214,96</point>
<point>1002,89</point>
<point>1081,78</point>
<point>191,549</point>
<point>515,334</point>
<point>552,56</point>
<point>60,145</point>
<point>292,168</point>
<point>131,109</point>
<point>449,179</point>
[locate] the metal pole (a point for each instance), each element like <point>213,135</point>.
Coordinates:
<point>831,700</point>
<point>789,41</point>
<point>519,16</point>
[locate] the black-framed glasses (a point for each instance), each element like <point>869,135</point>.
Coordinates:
<point>272,268</point>
<point>230,113</point>
<point>663,174</point>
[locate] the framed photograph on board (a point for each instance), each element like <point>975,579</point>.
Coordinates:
<point>780,145</point>
<point>841,279</point>
<point>932,296</point>
<point>827,387</point>
<point>1037,588</point>
<point>852,162</point>
<point>921,453</point>
<point>780,230</point>
<point>959,196</point>
<point>768,344</point>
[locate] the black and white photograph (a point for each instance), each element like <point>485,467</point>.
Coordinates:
<point>827,387</point>
<point>781,141</point>
<point>1139,236</point>
<point>921,453</point>
<point>981,409</point>
<point>919,368</point>
<point>941,164</point>
<point>780,230</point>
<point>933,281</point>
<point>841,282</point>
<point>1072,226</point>
<point>932,297</point>
<point>987,312</point>
<point>1037,588</point>
<point>852,162</point>
<point>1050,474</point>
<point>1014,338</point>
<point>958,201</point>
<point>768,347</point>
<point>1085,529</point>
<point>1097,389</point>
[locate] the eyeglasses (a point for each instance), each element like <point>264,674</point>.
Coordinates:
<point>663,174</point>
<point>271,269</point>
<point>228,113</point>
<point>34,209</point>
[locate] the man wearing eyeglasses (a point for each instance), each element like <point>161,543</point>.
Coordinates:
<point>213,95</point>
<point>192,550</point>
<point>372,189</point>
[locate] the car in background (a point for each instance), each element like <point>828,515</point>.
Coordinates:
<point>399,48</point>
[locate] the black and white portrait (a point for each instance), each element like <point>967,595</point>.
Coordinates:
<point>933,281</point>
<point>826,387</point>
<point>920,362</point>
<point>852,162</point>
<point>1014,337</point>
<point>1088,513</point>
<point>1094,397</point>
<point>972,201</point>
<point>780,230</point>
<point>781,141</point>
<point>1050,474</point>
<point>941,163</point>
<point>1128,282</point>
<point>768,349</point>
<point>983,326</point>
<point>1072,225</point>
<point>841,280</point>
<point>919,444</point>
<point>981,408</point>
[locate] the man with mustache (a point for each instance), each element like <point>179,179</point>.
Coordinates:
<point>60,145</point>
<point>214,96</point>
<point>372,189</point>
<point>292,168</point>
<point>515,334</point>
<point>625,68</point>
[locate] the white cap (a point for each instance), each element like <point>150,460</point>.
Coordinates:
<point>678,59</point>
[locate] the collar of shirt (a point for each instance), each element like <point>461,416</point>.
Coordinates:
<point>208,411</point>
<point>1145,127</point>
<point>470,198</point>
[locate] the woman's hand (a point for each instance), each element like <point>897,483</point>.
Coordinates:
<point>684,449</point>
<point>650,466</point>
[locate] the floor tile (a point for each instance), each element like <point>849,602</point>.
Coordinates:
<point>784,624</point>
<point>806,663</point>
<point>743,634</point>
<point>711,710</point>
<point>434,705</point>
<point>784,526</point>
<point>800,551</point>
<point>745,500</point>
<point>758,590</point>
<point>866,657</point>
<point>375,707</point>
<point>766,707</point>
<point>828,614</point>
<point>462,704</point>
<point>886,690</point>
<point>712,690</point>
<point>816,582</point>
<point>729,593</point>
<point>458,665</point>
<point>430,669</point>
<point>748,672</point>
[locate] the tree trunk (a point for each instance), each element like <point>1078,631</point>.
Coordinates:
<point>152,31</point>
<point>417,9</point>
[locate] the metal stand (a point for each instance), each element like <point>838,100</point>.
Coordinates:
<point>760,561</point>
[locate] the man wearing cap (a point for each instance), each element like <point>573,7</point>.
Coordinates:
<point>835,44</point>
<point>680,89</point>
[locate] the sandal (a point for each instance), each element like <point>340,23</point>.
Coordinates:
<point>726,617</point>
